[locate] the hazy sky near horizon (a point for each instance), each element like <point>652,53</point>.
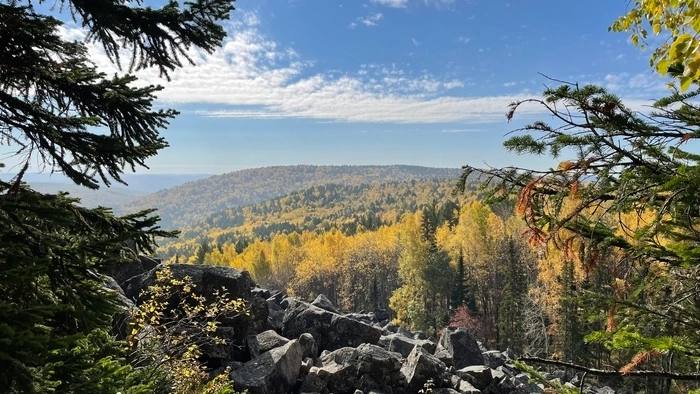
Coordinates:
<point>423,82</point>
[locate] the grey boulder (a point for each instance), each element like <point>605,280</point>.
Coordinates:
<point>478,375</point>
<point>266,340</point>
<point>331,330</point>
<point>367,367</point>
<point>462,347</point>
<point>323,302</point>
<point>420,366</point>
<point>494,358</point>
<point>404,345</point>
<point>273,372</point>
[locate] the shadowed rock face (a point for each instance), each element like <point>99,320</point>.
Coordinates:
<point>273,372</point>
<point>462,347</point>
<point>420,366</point>
<point>207,278</point>
<point>123,272</point>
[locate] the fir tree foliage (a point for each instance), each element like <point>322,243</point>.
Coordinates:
<point>58,110</point>
<point>626,197</point>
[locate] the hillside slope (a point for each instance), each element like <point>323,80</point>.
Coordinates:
<point>187,204</point>
<point>347,208</point>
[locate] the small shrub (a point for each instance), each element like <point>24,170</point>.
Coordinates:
<point>462,317</point>
<point>173,323</point>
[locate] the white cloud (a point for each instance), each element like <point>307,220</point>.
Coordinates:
<point>460,131</point>
<point>71,33</point>
<point>634,85</point>
<point>405,3</point>
<point>391,3</point>
<point>251,76</point>
<point>369,20</point>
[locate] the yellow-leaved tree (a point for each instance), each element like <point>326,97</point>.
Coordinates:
<point>677,22</point>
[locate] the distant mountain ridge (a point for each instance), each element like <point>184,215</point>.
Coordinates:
<point>193,201</point>
<point>116,196</point>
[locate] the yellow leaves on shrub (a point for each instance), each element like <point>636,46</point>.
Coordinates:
<point>170,324</point>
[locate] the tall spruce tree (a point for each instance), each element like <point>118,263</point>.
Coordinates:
<point>512,305</point>
<point>59,110</point>
<point>570,332</point>
<point>459,292</point>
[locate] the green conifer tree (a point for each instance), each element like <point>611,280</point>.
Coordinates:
<point>58,109</point>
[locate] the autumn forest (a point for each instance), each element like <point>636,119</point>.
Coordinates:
<point>571,265</point>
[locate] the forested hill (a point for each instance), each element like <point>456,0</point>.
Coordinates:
<point>187,204</point>
<point>347,208</point>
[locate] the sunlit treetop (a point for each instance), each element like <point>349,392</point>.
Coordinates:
<point>677,22</point>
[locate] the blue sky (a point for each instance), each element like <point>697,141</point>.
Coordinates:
<point>385,81</point>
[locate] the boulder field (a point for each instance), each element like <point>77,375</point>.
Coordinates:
<point>288,345</point>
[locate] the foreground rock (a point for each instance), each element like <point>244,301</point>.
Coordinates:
<point>401,344</point>
<point>208,279</point>
<point>331,330</point>
<point>461,347</point>
<point>421,366</point>
<point>367,367</point>
<point>266,340</point>
<point>209,282</point>
<point>478,375</point>
<point>273,372</point>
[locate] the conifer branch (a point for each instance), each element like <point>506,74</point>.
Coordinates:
<point>613,373</point>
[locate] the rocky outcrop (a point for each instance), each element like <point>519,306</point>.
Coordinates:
<point>324,303</point>
<point>331,330</point>
<point>121,272</point>
<point>287,345</point>
<point>367,368</point>
<point>478,375</point>
<point>266,340</point>
<point>209,279</point>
